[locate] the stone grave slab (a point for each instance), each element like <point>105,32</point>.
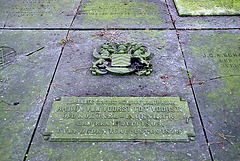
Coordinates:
<point>27,63</point>
<point>75,81</point>
<point>123,14</point>
<point>213,60</point>
<point>37,13</point>
<point>207,7</point>
<point>202,22</point>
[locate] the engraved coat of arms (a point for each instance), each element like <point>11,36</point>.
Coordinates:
<point>122,58</point>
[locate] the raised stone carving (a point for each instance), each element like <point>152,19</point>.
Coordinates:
<point>119,119</point>
<point>120,58</point>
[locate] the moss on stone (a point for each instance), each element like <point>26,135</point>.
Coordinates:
<point>36,13</point>
<point>112,11</point>
<point>221,50</point>
<point>27,83</point>
<point>208,7</point>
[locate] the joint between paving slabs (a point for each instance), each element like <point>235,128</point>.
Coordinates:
<point>74,17</point>
<point>182,51</point>
<point>110,28</point>
<point>190,78</point>
<point>46,96</point>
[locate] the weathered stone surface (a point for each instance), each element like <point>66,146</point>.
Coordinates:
<point>74,79</point>
<point>123,14</point>
<point>37,13</point>
<point>74,71</point>
<point>24,81</point>
<point>207,7</point>
<point>213,59</point>
<point>202,22</point>
<point>28,59</point>
<point>99,119</point>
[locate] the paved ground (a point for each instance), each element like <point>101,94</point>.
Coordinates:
<point>46,53</point>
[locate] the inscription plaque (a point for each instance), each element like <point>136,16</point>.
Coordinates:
<point>119,119</point>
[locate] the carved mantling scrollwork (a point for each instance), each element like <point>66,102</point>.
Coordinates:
<point>119,58</point>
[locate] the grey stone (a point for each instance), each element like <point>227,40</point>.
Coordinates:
<point>74,79</point>
<point>138,14</point>
<point>24,82</point>
<point>206,7</point>
<point>202,22</point>
<point>213,59</point>
<point>37,14</point>
<point>204,73</point>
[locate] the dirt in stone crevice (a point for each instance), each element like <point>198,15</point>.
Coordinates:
<point>189,77</point>
<point>46,96</point>
<point>200,82</point>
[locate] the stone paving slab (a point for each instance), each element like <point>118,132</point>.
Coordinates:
<point>213,59</point>
<point>123,14</point>
<point>28,60</point>
<point>74,79</point>
<point>203,22</point>
<point>37,13</point>
<point>207,7</point>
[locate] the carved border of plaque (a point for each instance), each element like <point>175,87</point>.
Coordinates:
<point>96,119</point>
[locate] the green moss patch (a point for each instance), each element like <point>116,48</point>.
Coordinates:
<point>121,12</point>
<point>23,85</point>
<point>213,59</point>
<point>208,7</point>
<point>222,49</point>
<point>37,13</point>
